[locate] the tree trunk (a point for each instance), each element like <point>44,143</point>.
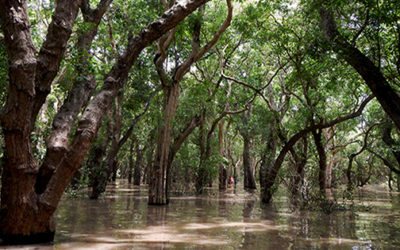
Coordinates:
<point>138,166</point>
<point>398,182</point>
<point>25,216</point>
<point>267,163</point>
<point>149,165</point>
<point>158,181</point>
<point>26,212</point>
<point>130,167</point>
<point>300,161</point>
<point>249,180</point>
<point>372,75</point>
<point>322,177</point>
<point>223,175</point>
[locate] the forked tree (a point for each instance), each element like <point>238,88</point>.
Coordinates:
<point>30,193</point>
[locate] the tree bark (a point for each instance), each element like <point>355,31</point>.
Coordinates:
<point>98,176</point>
<point>300,161</point>
<point>24,218</point>
<point>27,215</point>
<point>78,97</point>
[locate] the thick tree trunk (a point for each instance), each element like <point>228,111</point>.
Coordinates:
<point>248,168</point>
<point>158,181</point>
<point>26,212</point>
<point>25,216</point>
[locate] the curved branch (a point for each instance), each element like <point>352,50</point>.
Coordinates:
<point>91,117</point>
<point>196,55</point>
<point>273,171</point>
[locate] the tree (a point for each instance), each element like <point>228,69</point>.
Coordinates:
<point>27,212</point>
<point>379,84</point>
<point>158,194</point>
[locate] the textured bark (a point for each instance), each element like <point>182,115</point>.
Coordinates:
<point>91,117</point>
<point>371,74</point>
<point>83,87</point>
<point>27,216</point>
<point>24,217</point>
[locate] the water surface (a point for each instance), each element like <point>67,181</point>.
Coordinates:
<point>121,219</point>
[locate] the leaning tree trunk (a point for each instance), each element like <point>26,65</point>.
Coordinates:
<point>26,211</point>
<point>372,75</point>
<point>97,173</point>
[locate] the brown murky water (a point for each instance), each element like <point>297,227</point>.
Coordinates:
<point>122,220</point>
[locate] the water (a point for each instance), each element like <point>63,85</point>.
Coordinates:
<point>122,220</point>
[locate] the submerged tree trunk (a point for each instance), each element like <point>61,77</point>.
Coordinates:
<point>26,211</point>
<point>130,166</point>
<point>97,174</point>
<point>267,163</point>
<point>322,176</point>
<point>223,172</point>
<point>300,161</point>
<point>137,174</point>
<point>248,168</point>
<point>158,181</point>
<point>158,190</point>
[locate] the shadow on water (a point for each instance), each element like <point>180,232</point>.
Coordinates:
<point>121,219</point>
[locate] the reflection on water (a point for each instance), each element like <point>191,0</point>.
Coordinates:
<point>123,220</point>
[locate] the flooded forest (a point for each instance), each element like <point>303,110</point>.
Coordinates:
<point>200,124</point>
